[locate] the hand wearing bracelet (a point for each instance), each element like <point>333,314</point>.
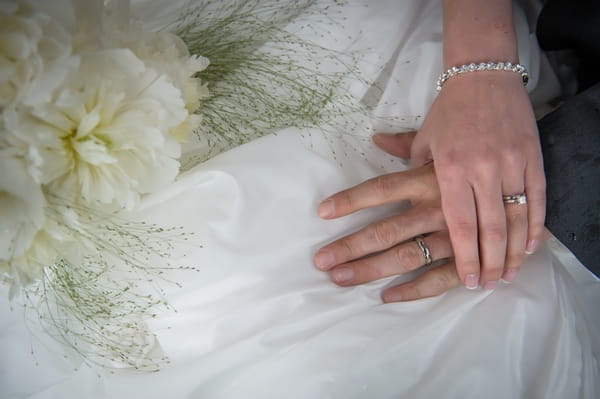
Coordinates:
<point>481,133</point>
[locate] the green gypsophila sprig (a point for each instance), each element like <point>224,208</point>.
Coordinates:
<point>262,77</point>
<point>105,284</point>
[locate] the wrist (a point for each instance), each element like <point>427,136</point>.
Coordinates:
<point>478,54</point>
<point>478,31</point>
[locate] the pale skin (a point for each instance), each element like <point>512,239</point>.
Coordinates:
<point>481,134</point>
<point>387,247</point>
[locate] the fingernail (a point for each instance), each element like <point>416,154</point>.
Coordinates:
<point>392,296</point>
<point>324,259</point>
<point>342,274</point>
<point>326,209</point>
<point>490,285</point>
<point>509,275</point>
<point>531,246</point>
<point>472,281</point>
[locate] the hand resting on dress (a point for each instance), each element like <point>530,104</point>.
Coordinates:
<point>387,247</point>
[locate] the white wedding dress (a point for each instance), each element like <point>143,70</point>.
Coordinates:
<point>259,321</point>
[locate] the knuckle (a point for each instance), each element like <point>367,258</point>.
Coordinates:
<point>438,281</point>
<point>492,265</point>
<point>382,186</point>
<point>494,232</point>
<point>419,290</point>
<point>464,230</point>
<point>408,257</point>
<point>452,171</point>
<point>452,157</point>
<point>487,165</point>
<point>515,216</point>
<point>386,233</point>
<point>512,157</point>
<point>377,272</point>
<point>347,247</point>
<point>344,200</point>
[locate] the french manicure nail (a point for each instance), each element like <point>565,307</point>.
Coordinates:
<point>326,209</point>
<point>531,246</point>
<point>324,259</point>
<point>490,285</point>
<point>472,281</point>
<point>509,275</point>
<point>342,274</point>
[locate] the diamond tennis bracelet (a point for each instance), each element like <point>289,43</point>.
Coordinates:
<point>484,66</point>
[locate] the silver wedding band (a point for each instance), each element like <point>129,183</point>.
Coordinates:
<point>520,199</point>
<point>424,249</point>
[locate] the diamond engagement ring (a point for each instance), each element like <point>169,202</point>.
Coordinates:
<point>424,249</point>
<point>520,199</point>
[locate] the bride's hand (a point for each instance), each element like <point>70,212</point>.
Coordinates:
<point>482,136</point>
<point>387,247</point>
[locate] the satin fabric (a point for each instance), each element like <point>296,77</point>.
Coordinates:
<point>258,320</point>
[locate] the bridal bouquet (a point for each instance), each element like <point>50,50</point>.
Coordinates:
<point>94,108</point>
<point>92,113</point>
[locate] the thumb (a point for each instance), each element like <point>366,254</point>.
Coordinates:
<point>397,144</point>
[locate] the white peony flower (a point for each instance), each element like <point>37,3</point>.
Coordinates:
<point>159,49</point>
<point>168,54</point>
<point>45,248</point>
<point>31,45</point>
<point>105,136</point>
<point>21,204</point>
<point>92,107</point>
<point>162,51</point>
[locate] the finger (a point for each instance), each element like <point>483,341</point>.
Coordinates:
<point>535,186</point>
<point>433,282</point>
<point>398,260</point>
<point>516,221</point>
<point>491,218</point>
<point>384,189</point>
<point>384,234</point>
<point>458,205</point>
<point>395,144</point>
<point>420,153</point>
